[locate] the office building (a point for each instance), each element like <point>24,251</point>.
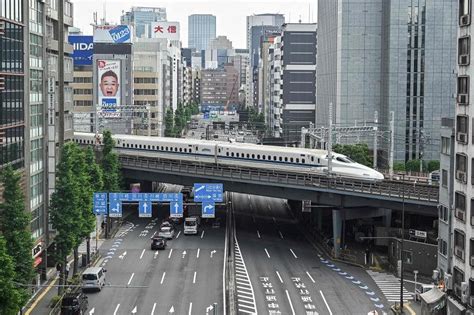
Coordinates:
<point>377,57</point>
<point>201,30</point>
<point>141,18</point>
<point>220,86</point>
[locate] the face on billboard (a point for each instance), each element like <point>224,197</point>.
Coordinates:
<point>108,72</point>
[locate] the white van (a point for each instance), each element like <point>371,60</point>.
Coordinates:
<point>191,225</point>
<point>93,278</point>
<point>422,288</point>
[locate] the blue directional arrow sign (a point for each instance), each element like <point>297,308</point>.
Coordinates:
<point>115,208</point>
<point>176,209</point>
<point>100,203</point>
<point>208,192</point>
<point>144,209</point>
<point>208,209</point>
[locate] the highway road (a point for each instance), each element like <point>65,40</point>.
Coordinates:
<point>285,271</point>
<point>185,278</point>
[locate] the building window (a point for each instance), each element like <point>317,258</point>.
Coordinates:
<point>461,167</point>
<point>443,213</point>
<point>460,206</point>
<point>464,12</point>
<point>458,278</point>
<point>442,247</point>
<point>464,48</point>
<point>463,90</point>
<point>446,145</point>
<point>462,129</point>
<point>459,244</point>
<point>407,257</point>
<point>444,178</point>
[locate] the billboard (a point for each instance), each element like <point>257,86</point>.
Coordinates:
<point>108,78</point>
<point>112,34</point>
<point>168,30</point>
<point>83,49</point>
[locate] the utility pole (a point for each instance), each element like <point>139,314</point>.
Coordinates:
<point>148,108</point>
<point>61,74</point>
<point>392,142</point>
<point>376,120</point>
<point>330,140</point>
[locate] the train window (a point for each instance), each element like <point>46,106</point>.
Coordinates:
<point>185,150</point>
<point>248,156</point>
<point>232,154</point>
<point>180,149</point>
<point>219,150</point>
<point>237,154</point>
<point>319,161</point>
<point>227,153</point>
<point>258,156</point>
<point>175,149</point>
<point>274,158</point>
<point>312,159</point>
<point>149,147</point>
<point>286,159</point>
<point>263,157</point>
<point>297,160</point>
<point>190,150</point>
<point>303,161</point>
<point>253,156</point>
<point>291,160</point>
<point>281,159</point>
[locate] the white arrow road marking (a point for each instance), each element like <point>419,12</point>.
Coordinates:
<point>213,252</point>
<point>116,309</point>
<point>111,253</point>
<point>293,253</point>
<point>115,245</point>
<point>375,299</point>
<point>356,282</point>
<point>197,254</point>
<point>113,249</point>
<point>92,311</point>
<point>184,253</point>
<point>310,277</point>
<point>154,234</point>
<point>169,256</point>
<point>131,277</point>
<point>123,255</point>
<point>171,309</point>
<point>143,252</point>
<point>153,309</point>
<point>155,255</point>
<point>378,305</point>
<point>279,277</point>
<point>289,301</point>
<point>349,277</point>
<point>163,277</point>
<point>194,278</point>
<point>371,293</point>
<point>266,251</point>
<point>190,308</point>
<point>202,234</point>
<point>363,287</point>
<point>134,311</point>
<point>325,302</point>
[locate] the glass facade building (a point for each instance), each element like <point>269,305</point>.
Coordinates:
<point>388,56</point>
<point>201,30</point>
<point>141,18</point>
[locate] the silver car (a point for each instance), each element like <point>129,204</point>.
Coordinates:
<point>166,232</point>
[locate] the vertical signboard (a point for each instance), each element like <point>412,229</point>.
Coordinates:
<point>108,80</point>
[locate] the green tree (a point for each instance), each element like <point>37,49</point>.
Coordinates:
<point>65,214</point>
<point>358,152</point>
<point>399,167</point>
<point>179,120</point>
<point>433,166</point>
<point>10,296</point>
<point>15,227</point>
<point>110,165</point>
<point>413,165</point>
<point>169,123</point>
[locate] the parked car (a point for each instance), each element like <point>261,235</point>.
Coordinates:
<point>158,243</point>
<point>74,304</point>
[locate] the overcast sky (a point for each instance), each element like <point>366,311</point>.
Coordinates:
<point>230,14</point>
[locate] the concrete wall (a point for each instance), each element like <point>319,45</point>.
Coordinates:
<point>424,257</point>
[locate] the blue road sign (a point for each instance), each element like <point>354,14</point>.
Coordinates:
<point>144,209</point>
<point>176,209</point>
<point>206,115</point>
<point>100,203</point>
<point>115,208</point>
<point>209,192</point>
<point>208,209</point>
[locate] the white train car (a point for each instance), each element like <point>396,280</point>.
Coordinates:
<point>238,154</point>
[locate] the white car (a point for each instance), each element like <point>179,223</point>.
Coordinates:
<point>166,232</point>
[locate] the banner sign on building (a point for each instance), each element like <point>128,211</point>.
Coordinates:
<point>168,30</point>
<point>83,49</point>
<point>112,34</point>
<point>109,79</point>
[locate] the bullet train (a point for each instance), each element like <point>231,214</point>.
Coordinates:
<point>290,159</point>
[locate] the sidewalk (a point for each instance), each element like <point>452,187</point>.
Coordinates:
<point>40,303</point>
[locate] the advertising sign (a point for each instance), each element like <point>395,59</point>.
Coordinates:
<point>83,49</point>
<point>168,30</point>
<point>112,34</point>
<point>108,72</point>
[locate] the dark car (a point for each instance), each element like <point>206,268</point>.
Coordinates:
<point>158,243</point>
<point>74,304</point>
<point>176,221</point>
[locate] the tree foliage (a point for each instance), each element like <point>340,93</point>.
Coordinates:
<point>110,165</point>
<point>413,165</point>
<point>433,166</point>
<point>399,167</point>
<point>15,227</point>
<point>358,152</point>
<point>10,295</point>
<point>169,123</point>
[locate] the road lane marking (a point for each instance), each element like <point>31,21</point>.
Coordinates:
<point>281,235</point>
<point>197,254</point>
<point>163,277</point>
<point>266,251</point>
<point>155,255</point>
<point>194,278</point>
<point>154,234</point>
<point>169,255</point>
<point>153,309</point>
<point>202,234</point>
<point>279,277</point>
<point>143,252</point>
<point>289,301</point>
<point>178,234</point>
<point>293,253</point>
<point>325,302</point>
<point>258,234</point>
<point>253,217</point>
<point>190,308</point>
<point>131,277</point>
<point>116,309</point>
<point>274,220</point>
<point>310,277</point>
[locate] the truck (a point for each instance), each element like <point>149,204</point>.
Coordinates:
<point>191,225</point>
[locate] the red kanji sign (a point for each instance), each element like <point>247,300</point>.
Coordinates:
<point>172,29</point>
<point>159,28</point>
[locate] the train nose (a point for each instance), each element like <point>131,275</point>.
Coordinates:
<point>378,175</point>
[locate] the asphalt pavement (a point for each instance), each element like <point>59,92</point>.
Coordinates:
<point>287,274</point>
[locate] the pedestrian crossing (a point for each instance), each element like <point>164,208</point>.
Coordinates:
<point>390,286</point>
<point>245,294</point>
